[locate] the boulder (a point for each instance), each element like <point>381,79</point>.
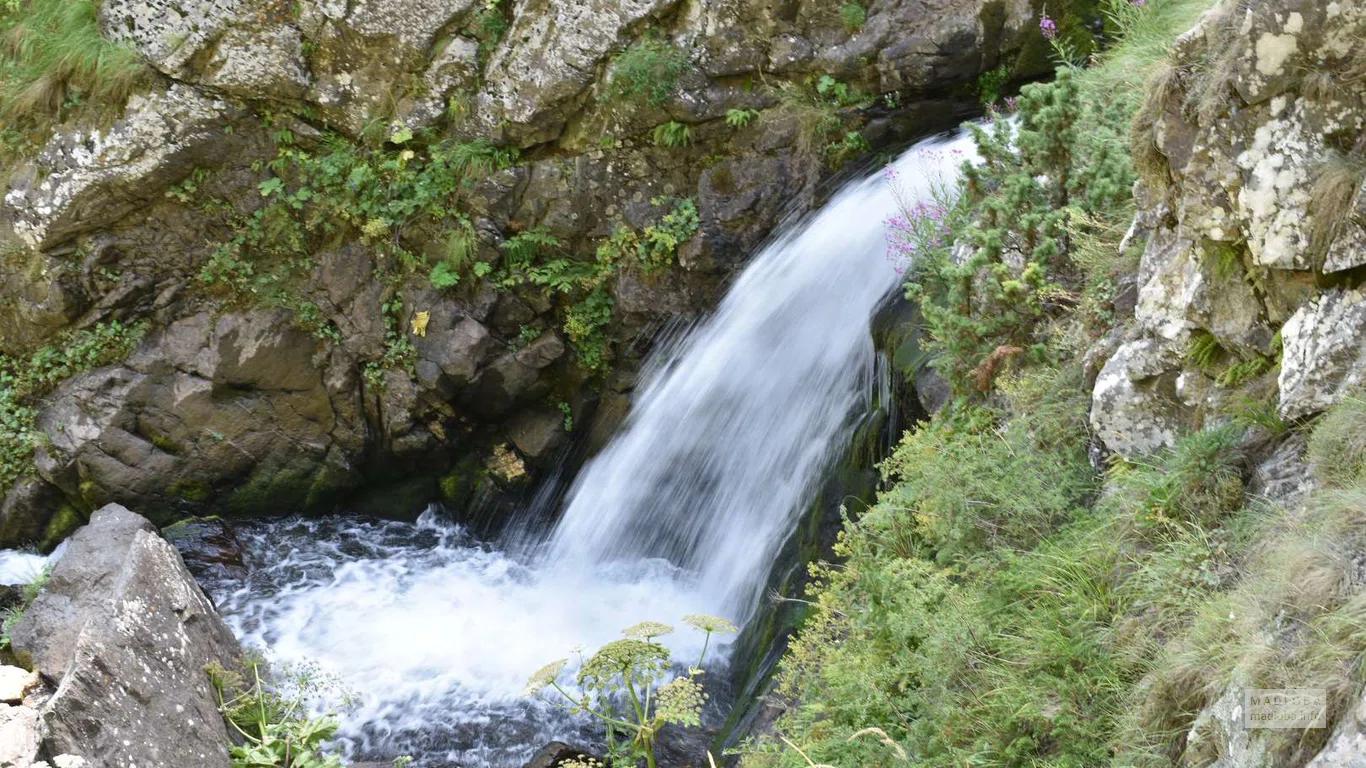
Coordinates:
<point>19,736</point>
<point>1135,406</point>
<point>234,401</point>
<point>1324,359</point>
<point>125,634</point>
<point>15,682</point>
<point>538,433</point>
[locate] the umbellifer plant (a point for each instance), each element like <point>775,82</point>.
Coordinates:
<point>622,686</point>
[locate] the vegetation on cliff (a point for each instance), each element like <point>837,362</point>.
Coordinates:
<point>1005,603</point>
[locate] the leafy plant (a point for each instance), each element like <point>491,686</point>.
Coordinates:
<point>269,712</point>
<point>672,134</point>
<point>739,118</point>
<point>853,16</point>
<point>620,686</point>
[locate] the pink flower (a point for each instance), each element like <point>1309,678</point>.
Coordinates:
<point>1048,27</point>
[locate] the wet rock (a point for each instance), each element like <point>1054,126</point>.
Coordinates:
<point>126,633</point>
<point>87,179</point>
<point>538,433</point>
<point>1324,359</point>
<point>209,548</point>
<point>554,753</point>
<point>1135,408</point>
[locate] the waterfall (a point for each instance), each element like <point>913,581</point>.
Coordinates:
<point>683,512</point>
<point>722,449</point>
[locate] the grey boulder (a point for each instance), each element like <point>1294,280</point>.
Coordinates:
<point>125,634</point>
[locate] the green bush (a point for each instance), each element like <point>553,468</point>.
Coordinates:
<point>1337,447</point>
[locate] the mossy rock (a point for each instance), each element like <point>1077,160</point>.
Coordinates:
<point>403,500</point>
<point>64,522</point>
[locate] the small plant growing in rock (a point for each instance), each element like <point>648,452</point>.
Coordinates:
<point>649,71</point>
<point>620,686</point>
<point>672,134</point>
<point>853,16</point>
<point>739,118</point>
<point>14,614</point>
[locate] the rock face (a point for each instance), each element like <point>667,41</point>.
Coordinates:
<point>283,404</point>
<point>1242,157</point>
<point>125,634</point>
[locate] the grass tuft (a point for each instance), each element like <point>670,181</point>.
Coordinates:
<point>55,64</point>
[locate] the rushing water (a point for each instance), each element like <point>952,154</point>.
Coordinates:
<point>683,512</point>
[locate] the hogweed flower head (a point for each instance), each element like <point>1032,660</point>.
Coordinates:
<point>647,629</point>
<point>544,676</point>
<point>704,623</point>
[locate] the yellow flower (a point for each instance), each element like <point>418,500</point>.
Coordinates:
<point>420,321</point>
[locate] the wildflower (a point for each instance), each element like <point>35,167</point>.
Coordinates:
<point>705,623</point>
<point>544,676</point>
<point>1048,27</point>
<point>1011,105</point>
<point>1139,3</point>
<point>889,173</point>
<point>647,629</point>
<point>681,702</point>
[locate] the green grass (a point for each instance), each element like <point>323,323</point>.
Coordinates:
<point>648,72</point>
<point>54,64</point>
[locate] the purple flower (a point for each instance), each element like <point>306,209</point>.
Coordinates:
<point>889,173</point>
<point>1011,104</point>
<point>1138,3</point>
<point>1048,27</point>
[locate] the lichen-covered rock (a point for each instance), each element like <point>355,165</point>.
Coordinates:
<point>553,56</point>
<point>1250,117</point>
<point>1324,358</point>
<point>249,62</point>
<point>84,180</point>
<point>1347,749</point>
<point>1135,406</point>
<point>125,634</point>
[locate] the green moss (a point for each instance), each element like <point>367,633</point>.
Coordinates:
<point>64,522</point>
<point>459,486</point>
<point>192,490</point>
<point>270,491</point>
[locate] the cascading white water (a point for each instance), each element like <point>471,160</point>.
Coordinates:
<point>721,452</point>
<point>682,513</point>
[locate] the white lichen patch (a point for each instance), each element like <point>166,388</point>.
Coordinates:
<point>1274,198</point>
<point>1273,51</point>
